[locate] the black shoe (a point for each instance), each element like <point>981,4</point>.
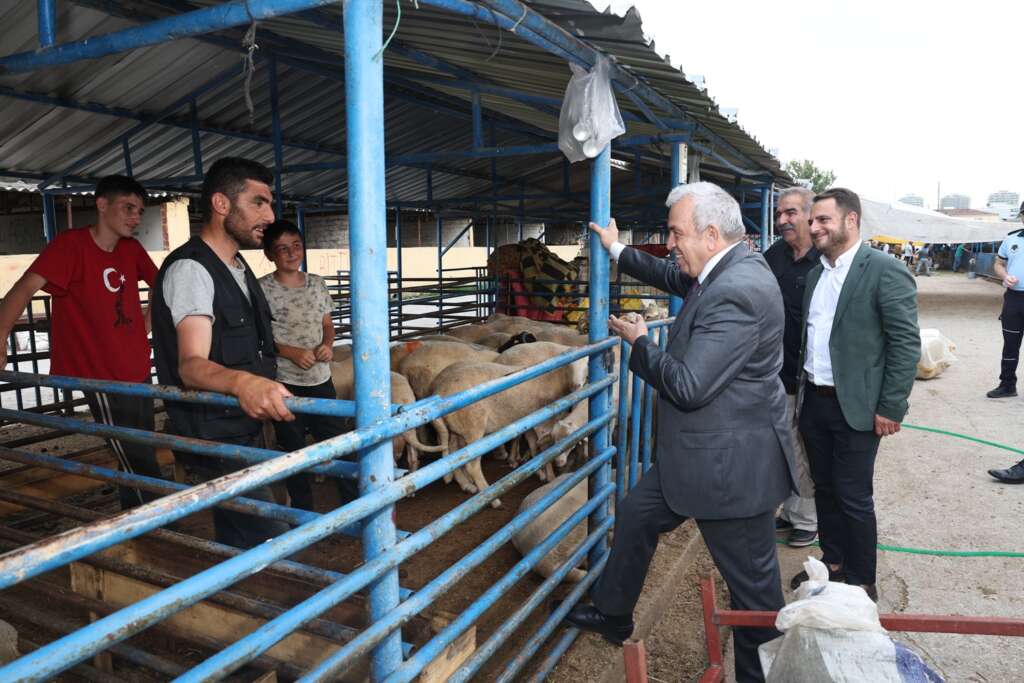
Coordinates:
<point>833,575</point>
<point>1011,475</point>
<point>801,538</point>
<point>588,618</point>
<point>1003,391</point>
<point>783,526</point>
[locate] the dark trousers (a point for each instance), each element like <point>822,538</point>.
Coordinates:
<point>239,529</point>
<point>134,458</point>
<point>842,464</point>
<point>743,551</point>
<point>291,436</point>
<point>1012,318</point>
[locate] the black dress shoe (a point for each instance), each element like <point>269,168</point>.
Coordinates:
<point>833,575</point>
<point>1003,391</point>
<point>801,538</point>
<point>588,618</point>
<point>1011,475</point>
<point>783,526</point>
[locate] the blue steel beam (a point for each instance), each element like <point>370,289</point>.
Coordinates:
<point>194,23</point>
<point>275,123</point>
<point>597,320</point>
<point>49,217</point>
<point>263,638</point>
<point>197,148</point>
<point>364,129</point>
<point>55,551</point>
<point>47,23</point>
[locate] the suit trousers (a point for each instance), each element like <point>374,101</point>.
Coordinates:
<point>842,463</point>
<point>799,509</point>
<point>743,551</point>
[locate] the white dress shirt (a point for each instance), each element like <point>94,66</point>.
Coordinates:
<point>616,249</point>
<point>822,311</point>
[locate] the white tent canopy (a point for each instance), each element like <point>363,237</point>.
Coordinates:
<point>901,221</point>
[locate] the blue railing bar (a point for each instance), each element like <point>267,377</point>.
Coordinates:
<point>195,23</point>
<point>263,638</point>
<point>248,454</point>
<point>622,459</point>
<point>509,624</point>
<point>551,623</point>
<point>636,399</point>
<point>648,413</point>
<point>163,486</point>
<point>296,569</point>
<point>676,302</point>
<point>47,23</point>
<point>412,666</point>
<point>67,547</point>
<point>73,648</point>
<point>554,656</point>
<point>308,406</point>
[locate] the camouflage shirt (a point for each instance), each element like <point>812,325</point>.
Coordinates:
<point>298,321</point>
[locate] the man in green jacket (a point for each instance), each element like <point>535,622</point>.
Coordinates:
<point>860,351</point>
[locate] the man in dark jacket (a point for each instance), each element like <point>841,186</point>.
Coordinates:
<point>211,331</point>
<point>723,446</point>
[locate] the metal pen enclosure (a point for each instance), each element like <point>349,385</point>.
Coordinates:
<point>309,183</point>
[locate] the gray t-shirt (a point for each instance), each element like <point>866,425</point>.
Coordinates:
<point>298,314</point>
<point>188,289</point>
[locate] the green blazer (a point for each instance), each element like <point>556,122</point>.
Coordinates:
<point>875,342</point>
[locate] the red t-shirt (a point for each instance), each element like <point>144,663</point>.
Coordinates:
<point>97,329</point>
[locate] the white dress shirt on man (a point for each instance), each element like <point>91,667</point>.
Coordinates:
<point>821,313</point>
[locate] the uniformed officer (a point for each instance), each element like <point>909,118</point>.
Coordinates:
<point>1010,267</point>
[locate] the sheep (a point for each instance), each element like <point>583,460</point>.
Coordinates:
<point>423,364</point>
<point>490,414</point>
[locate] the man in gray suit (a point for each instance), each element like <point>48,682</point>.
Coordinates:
<point>723,452</point>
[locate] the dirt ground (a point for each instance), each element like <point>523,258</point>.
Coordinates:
<point>931,492</point>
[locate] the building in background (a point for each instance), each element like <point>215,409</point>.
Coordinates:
<point>912,200</point>
<point>1004,203</point>
<point>955,201</point>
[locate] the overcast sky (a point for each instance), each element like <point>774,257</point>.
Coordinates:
<point>894,97</point>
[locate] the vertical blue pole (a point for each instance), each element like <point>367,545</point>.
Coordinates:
<point>478,121</point>
<point>440,273</point>
<point>300,223</point>
<point>621,452</point>
<point>765,217</point>
<point>675,303</point>
<point>398,252</point>
<point>275,122</point>
<point>47,23</point>
<point>364,111</point>
<point>597,319</point>
<point>49,217</point>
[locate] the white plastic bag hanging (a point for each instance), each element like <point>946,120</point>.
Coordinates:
<point>590,117</point>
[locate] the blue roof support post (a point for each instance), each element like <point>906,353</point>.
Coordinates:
<point>765,217</point>
<point>597,319</point>
<point>275,119</point>
<point>49,217</point>
<point>675,303</point>
<point>440,272</point>
<point>478,121</point>
<point>300,223</point>
<point>47,22</point>
<point>364,118</point>
<point>398,254</point>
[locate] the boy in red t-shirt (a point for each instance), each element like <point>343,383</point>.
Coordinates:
<point>99,330</point>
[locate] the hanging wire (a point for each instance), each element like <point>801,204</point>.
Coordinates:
<point>249,65</point>
<point>394,29</point>
<point>497,48</point>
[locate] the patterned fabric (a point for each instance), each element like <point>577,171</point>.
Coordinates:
<point>298,321</point>
<point>540,266</point>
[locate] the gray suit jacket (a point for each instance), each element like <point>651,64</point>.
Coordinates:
<point>723,448</point>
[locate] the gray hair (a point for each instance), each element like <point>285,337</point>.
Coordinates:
<point>806,195</point>
<point>711,206</point>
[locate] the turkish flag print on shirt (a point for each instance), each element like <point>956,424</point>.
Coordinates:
<point>98,330</point>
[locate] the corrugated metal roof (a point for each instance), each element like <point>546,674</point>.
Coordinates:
<point>37,138</point>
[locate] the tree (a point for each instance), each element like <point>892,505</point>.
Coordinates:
<point>805,169</point>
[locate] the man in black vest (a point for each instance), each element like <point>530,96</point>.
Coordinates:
<point>211,331</point>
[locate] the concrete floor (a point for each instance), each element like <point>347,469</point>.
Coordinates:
<point>933,492</point>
